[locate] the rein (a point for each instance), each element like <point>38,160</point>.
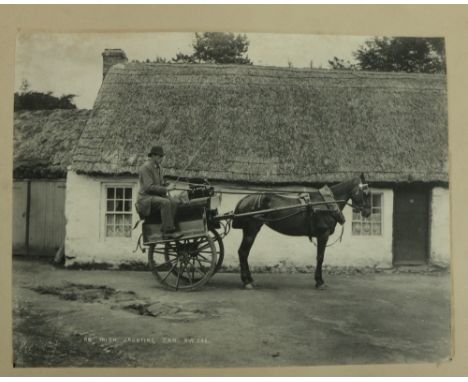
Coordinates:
<point>360,208</point>
<point>336,240</point>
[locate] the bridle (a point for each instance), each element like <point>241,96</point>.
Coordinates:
<point>364,189</point>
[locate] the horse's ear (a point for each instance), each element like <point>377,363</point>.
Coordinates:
<point>363,180</point>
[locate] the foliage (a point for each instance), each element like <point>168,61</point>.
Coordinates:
<point>397,54</point>
<point>184,58</point>
<point>218,48</point>
<point>32,100</point>
<point>340,64</point>
<point>161,60</point>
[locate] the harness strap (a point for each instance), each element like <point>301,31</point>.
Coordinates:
<point>340,238</point>
<point>136,224</point>
<point>139,246</point>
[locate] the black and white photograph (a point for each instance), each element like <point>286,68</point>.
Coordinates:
<point>230,200</point>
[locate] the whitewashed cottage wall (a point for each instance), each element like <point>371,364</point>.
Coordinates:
<point>85,236</point>
<point>86,241</point>
<point>440,227</point>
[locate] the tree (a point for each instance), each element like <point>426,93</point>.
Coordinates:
<point>184,58</point>
<point>340,64</point>
<point>218,48</point>
<point>161,60</point>
<point>32,100</point>
<point>398,54</point>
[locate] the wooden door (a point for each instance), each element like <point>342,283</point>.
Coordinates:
<point>20,216</point>
<point>411,225</point>
<point>47,217</point>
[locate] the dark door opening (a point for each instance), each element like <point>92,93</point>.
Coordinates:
<point>411,225</point>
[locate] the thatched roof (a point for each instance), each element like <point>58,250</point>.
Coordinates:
<point>266,124</point>
<point>44,141</point>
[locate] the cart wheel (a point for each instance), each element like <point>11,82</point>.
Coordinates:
<point>218,243</point>
<point>183,264</point>
<point>219,248</point>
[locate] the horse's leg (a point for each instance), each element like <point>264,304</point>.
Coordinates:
<point>249,233</point>
<point>321,246</point>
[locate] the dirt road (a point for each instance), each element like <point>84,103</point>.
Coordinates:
<point>124,319</point>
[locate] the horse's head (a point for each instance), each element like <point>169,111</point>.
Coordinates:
<point>361,197</point>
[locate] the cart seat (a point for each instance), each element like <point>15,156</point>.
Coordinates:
<point>187,210</point>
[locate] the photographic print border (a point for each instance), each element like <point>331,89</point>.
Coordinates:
<point>440,21</point>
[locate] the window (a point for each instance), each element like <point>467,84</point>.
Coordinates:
<point>371,226</point>
<point>118,219</point>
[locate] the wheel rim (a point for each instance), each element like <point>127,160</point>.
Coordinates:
<point>185,263</point>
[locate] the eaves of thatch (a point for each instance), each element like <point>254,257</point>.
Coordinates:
<point>44,141</point>
<point>268,125</point>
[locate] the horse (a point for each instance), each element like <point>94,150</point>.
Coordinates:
<point>296,221</point>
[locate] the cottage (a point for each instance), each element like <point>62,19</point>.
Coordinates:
<point>249,127</point>
<point>43,144</point>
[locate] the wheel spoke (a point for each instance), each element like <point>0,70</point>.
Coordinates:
<point>193,268</point>
<point>204,258</point>
<point>168,273</point>
<point>205,246</point>
<point>162,251</point>
<point>165,263</point>
<point>189,274</point>
<point>178,279</point>
<point>171,254</point>
<point>209,252</point>
<point>171,246</point>
<point>178,275</point>
<point>202,268</point>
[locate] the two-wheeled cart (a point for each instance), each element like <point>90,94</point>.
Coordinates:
<point>189,261</point>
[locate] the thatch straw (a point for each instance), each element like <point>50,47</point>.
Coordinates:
<point>271,125</point>
<point>44,141</point>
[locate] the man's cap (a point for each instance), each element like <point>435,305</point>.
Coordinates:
<point>156,150</point>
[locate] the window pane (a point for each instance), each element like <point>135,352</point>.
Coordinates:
<point>119,230</point>
<point>366,228</point>
<point>110,205</point>
<point>109,231</point>
<point>376,217</point>
<point>119,205</point>
<point>119,193</point>
<point>376,229</point>
<point>376,200</point>
<point>118,219</point>
<point>128,193</point>
<point>128,206</point>
<point>110,219</point>
<point>110,193</point>
<point>376,210</point>
<point>356,216</point>
<point>128,219</point>
<point>356,228</point>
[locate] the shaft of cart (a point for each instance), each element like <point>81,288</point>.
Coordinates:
<point>231,215</point>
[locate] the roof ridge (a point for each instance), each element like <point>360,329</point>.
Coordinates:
<point>352,73</point>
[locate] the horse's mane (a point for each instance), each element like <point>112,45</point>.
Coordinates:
<point>342,187</point>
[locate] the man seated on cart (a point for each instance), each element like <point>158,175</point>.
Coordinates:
<point>153,193</point>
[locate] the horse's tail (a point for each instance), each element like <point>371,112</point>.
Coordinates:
<point>248,203</point>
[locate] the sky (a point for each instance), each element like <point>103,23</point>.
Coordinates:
<point>71,63</point>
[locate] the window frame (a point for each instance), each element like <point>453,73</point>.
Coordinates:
<point>362,220</point>
<point>103,210</point>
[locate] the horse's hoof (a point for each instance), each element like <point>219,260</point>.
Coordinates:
<point>249,286</point>
<point>321,287</point>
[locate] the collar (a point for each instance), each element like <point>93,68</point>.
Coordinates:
<point>151,163</point>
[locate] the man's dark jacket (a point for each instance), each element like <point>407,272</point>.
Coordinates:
<point>151,184</point>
